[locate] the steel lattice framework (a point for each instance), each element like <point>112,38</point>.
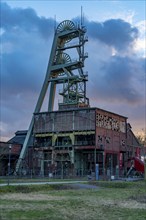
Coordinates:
<point>69,40</point>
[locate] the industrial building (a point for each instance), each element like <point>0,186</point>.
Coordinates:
<point>91,136</point>
<point>70,141</point>
<point>74,141</point>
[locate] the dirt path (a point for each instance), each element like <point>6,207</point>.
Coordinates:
<point>84,186</point>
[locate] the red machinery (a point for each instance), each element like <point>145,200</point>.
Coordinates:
<point>137,167</point>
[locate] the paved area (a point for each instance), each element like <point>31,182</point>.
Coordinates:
<point>41,183</point>
<point>70,184</point>
<point>84,186</point>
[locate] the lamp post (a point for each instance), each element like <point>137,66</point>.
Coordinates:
<point>96,165</point>
<point>103,164</point>
<point>9,164</point>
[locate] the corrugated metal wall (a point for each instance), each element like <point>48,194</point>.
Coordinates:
<point>65,121</point>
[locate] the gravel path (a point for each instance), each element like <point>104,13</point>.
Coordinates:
<point>84,186</point>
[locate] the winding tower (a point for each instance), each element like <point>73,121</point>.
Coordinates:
<point>64,69</point>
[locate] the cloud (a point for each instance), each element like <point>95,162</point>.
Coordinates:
<point>26,40</point>
<point>25,46</point>
<point>25,43</point>
<point>141,41</point>
<point>117,74</point>
<point>114,32</point>
<point>24,19</point>
<point>119,79</point>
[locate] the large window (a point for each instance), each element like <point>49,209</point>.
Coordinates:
<point>85,140</point>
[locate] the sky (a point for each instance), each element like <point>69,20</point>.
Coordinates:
<point>116,64</point>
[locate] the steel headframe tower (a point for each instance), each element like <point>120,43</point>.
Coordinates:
<point>69,40</point>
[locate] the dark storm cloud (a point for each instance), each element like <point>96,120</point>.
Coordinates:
<point>24,56</point>
<point>121,79</point>
<point>114,32</point>
<point>25,48</point>
<point>25,19</point>
<point>17,71</point>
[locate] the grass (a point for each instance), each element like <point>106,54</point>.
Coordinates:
<point>112,201</point>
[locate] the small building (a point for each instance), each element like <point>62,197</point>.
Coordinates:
<point>11,150</point>
<point>8,151</point>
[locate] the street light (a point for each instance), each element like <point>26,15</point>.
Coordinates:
<point>103,164</point>
<point>9,163</point>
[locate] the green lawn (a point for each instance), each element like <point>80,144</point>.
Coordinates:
<point>113,201</point>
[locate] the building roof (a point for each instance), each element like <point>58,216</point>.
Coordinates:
<point>20,137</point>
<point>82,109</point>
